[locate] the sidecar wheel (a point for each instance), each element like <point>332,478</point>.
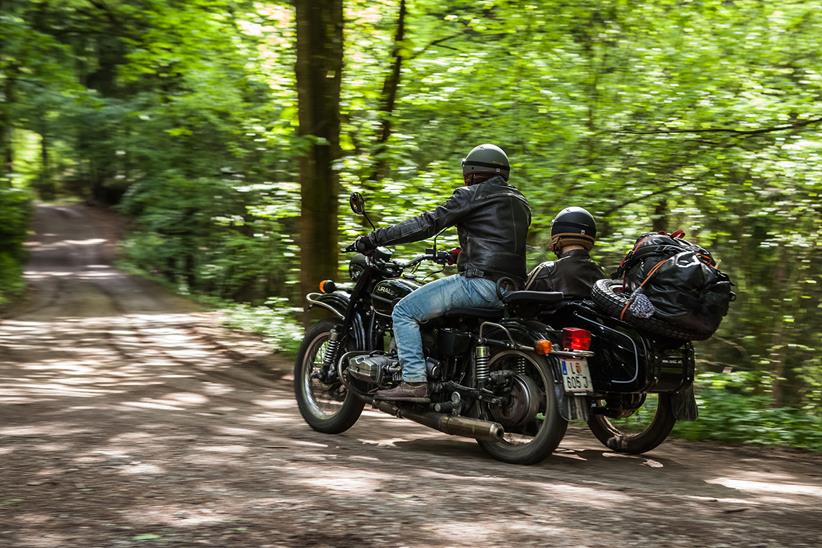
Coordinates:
<point>532,422</point>
<point>327,408</point>
<point>632,434</point>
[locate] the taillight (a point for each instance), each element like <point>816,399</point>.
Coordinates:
<point>328,286</point>
<point>574,338</point>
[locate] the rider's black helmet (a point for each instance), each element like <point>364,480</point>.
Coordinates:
<point>486,159</point>
<point>573,226</point>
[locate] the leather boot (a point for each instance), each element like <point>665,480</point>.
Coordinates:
<point>405,391</point>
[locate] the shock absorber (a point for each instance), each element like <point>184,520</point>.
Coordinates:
<point>330,354</point>
<point>481,357</point>
<point>520,366</point>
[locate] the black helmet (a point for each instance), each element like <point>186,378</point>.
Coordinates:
<point>573,226</point>
<point>486,159</point>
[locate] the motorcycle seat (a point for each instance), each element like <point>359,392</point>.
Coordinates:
<point>533,297</point>
<point>478,312</point>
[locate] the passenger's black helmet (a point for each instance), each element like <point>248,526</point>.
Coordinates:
<point>486,159</point>
<point>573,226</point>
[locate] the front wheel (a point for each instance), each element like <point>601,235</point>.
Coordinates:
<point>530,414</point>
<point>326,406</point>
<point>644,429</point>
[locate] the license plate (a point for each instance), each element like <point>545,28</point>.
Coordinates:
<point>575,376</point>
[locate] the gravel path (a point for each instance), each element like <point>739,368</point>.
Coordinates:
<point>128,418</point>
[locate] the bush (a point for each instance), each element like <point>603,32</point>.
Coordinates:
<point>731,411</point>
<point>273,321</point>
<point>15,214</point>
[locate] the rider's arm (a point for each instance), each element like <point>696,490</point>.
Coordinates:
<point>425,225</point>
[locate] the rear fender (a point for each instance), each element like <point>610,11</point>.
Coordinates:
<point>527,333</point>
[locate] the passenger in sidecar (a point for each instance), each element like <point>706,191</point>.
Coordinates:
<point>573,232</point>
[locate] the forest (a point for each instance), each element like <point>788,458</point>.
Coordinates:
<point>230,133</point>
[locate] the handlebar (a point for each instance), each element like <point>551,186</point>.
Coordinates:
<point>439,257</point>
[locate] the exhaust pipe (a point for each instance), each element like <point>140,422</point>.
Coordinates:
<point>456,426</point>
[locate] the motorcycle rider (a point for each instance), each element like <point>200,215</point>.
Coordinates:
<point>573,232</point>
<point>492,220</point>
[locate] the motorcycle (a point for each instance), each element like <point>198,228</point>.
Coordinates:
<point>508,381</point>
<point>512,378</point>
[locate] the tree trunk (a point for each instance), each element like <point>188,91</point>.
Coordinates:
<point>46,183</point>
<point>318,68</point>
<point>6,122</point>
<point>659,220</point>
<point>777,354</point>
<point>389,99</point>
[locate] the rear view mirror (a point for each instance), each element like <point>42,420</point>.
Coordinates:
<point>357,203</point>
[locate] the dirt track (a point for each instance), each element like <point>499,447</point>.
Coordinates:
<point>128,418</point>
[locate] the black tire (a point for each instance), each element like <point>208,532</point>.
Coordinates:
<point>349,408</point>
<point>608,296</point>
<point>550,431</point>
<point>620,441</point>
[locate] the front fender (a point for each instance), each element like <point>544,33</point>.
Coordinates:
<point>337,304</point>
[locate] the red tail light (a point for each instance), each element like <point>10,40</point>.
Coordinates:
<point>574,338</point>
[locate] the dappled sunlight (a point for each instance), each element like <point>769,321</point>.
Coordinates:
<point>141,469</point>
<point>52,429</point>
<point>174,515</point>
<point>344,480</point>
<point>225,448</point>
<point>593,496</point>
<point>152,404</point>
<point>768,487</point>
<point>472,531</point>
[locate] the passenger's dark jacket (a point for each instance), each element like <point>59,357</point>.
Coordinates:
<point>492,220</point>
<point>574,273</point>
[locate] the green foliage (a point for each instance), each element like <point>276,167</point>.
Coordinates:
<point>15,211</point>
<point>274,321</point>
<point>730,410</point>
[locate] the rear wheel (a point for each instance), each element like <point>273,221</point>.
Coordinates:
<point>641,430</point>
<point>326,406</point>
<point>530,415</point>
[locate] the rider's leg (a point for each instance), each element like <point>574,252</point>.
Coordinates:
<point>429,301</point>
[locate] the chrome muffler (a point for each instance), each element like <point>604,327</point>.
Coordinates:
<point>449,424</point>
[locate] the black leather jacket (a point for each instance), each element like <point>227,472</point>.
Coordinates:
<point>492,220</point>
<point>572,274</point>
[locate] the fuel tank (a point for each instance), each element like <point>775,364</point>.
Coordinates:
<point>388,293</point>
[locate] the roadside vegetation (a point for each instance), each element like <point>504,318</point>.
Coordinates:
<point>15,214</point>
<point>655,115</point>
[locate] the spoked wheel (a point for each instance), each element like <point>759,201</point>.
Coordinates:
<point>641,430</point>
<point>326,406</point>
<point>530,415</point>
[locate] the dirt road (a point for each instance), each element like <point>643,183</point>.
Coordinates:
<point>128,419</point>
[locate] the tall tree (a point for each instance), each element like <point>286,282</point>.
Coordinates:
<point>318,67</point>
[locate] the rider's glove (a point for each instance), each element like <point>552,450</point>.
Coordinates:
<point>364,244</point>
<point>453,255</point>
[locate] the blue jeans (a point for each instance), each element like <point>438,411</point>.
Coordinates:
<point>429,301</point>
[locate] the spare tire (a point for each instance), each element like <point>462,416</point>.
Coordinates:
<point>607,294</point>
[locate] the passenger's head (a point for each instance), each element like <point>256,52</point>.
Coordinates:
<point>573,228</point>
<point>484,162</point>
